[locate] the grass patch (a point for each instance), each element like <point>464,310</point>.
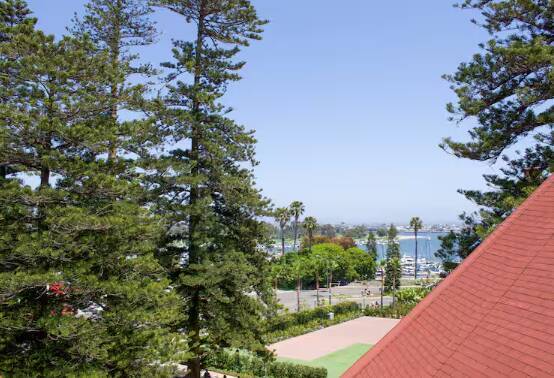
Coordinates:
<point>337,362</point>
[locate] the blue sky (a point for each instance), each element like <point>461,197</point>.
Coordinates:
<point>347,102</point>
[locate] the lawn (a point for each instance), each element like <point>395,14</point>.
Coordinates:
<point>337,362</point>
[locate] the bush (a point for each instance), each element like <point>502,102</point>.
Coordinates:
<point>411,295</point>
<point>396,312</point>
<point>289,320</point>
<point>246,364</point>
<point>406,300</point>
<point>296,324</point>
<point>288,370</point>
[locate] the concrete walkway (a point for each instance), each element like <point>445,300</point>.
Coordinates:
<point>364,330</point>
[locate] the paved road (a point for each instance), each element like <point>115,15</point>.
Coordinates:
<point>352,292</point>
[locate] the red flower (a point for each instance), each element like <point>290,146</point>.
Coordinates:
<point>57,288</point>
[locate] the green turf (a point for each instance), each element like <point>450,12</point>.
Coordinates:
<point>337,362</point>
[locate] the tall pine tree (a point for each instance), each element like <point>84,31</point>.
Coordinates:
<point>508,90</point>
<point>118,27</point>
<point>205,186</point>
<point>81,293</point>
<point>371,246</point>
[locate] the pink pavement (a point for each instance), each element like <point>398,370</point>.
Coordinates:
<point>364,330</point>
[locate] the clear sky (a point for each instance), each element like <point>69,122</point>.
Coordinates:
<point>348,103</point>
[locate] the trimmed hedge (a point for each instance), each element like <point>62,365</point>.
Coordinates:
<point>396,312</point>
<point>296,324</point>
<point>314,325</point>
<point>248,364</point>
<point>285,321</point>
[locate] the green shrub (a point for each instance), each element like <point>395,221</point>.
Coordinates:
<point>289,370</point>
<point>246,364</point>
<point>396,312</point>
<point>296,324</point>
<point>314,325</point>
<point>345,307</point>
<point>411,295</point>
<point>289,320</point>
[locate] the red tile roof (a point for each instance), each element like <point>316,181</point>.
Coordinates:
<point>492,317</point>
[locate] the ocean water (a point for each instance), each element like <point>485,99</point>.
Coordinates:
<point>427,244</point>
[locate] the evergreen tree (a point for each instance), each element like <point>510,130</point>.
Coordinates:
<point>508,90</point>
<point>372,246</point>
<point>14,17</point>
<point>117,26</point>
<point>393,271</point>
<point>81,293</point>
<point>206,190</point>
<point>516,181</point>
<point>506,86</point>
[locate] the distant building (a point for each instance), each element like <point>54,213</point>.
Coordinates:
<point>492,317</point>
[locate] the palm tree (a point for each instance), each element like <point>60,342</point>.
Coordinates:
<point>310,224</point>
<point>416,224</point>
<point>296,210</point>
<point>317,265</point>
<point>298,270</point>
<point>282,216</point>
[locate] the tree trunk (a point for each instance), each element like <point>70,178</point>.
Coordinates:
<point>282,242</point>
<point>310,239</point>
<point>382,286</point>
<point>393,290</point>
<point>330,288</point>
<point>194,363</point>
<point>317,288</point>
<point>415,269</point>
<point>298,288</point>
<point>295,232</point>
<point>44,177</point>
<point>115,52</point>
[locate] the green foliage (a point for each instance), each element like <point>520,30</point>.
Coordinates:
<point>325,260</point>
<point>81,293</point>
<point>205,192</point>
<point>393,270</point>
<point>372,246</point>
<point>363,263</point>
<point>406,300</point>
<point>394,312</point>
<point>296,209</point>
<point>517,180</point>
<point>356,232</point>
<point>381,232</point>
<point>411,295</point>
<point>282,216</point>
<point>310,225</point>
<point>238,363</point>
<point>508,90</point>
<point>505,86</point>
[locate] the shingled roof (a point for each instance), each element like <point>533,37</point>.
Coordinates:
<point>492,317</point>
